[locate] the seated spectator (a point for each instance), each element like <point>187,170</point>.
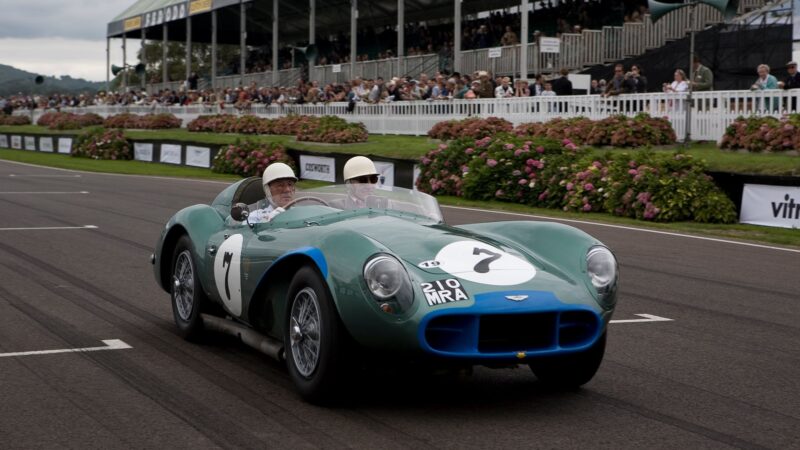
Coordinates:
<point>461,89</point>
<point>472,93</point>
<point>679,85</point>
<point>617,84</point>
<point>792,81</point>
<point>595,88</point>
<point>548,90</point>
<point>522,89</point>
<point>765,81</point>
<point>636,82</point>
<point>504,90</point>
<point>509,38</point>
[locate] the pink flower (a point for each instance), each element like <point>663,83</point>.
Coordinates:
<point>588,187</point>
<point>491,163</point>
<point>542,196</point>
<point>531,162</point>
<point>540,149</point>
<point>633,172</point>
<point>522,182</point>
<point>516,173</point>
<point>508,146</point>
<point>426,161</point>
<point>518,152</point>
<point>499,193</point>
<point>570,186</point>
<point>587,207</point>
<point>469,151</point>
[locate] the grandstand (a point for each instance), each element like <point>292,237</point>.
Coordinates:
<point>435,35</point>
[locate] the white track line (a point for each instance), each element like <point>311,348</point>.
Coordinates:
<point>44,192</point>
<point>623,227</point>
<point>110,344</point>
<point>647,318</point>
<point>84,227</point>
<point>43,176</point>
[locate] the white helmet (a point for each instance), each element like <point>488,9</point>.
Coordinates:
<point>276,171</point>
<point>358,166</point>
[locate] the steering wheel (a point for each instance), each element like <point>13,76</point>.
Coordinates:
<point>303,199</point>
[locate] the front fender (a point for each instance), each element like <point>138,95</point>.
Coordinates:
<point>199,222</point>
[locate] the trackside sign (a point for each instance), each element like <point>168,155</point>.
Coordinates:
<point>772,206</point>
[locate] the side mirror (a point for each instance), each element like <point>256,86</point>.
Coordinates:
<point>240,212</point>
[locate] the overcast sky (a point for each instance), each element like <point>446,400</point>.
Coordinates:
<point>61,37</point>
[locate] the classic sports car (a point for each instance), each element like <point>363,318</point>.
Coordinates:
<point>322,279</point>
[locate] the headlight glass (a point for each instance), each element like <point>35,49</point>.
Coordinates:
<point>602,268</point>
<point>389,283</point>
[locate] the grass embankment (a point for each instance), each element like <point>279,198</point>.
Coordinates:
<point>413,147</point>
<point>737,231</point>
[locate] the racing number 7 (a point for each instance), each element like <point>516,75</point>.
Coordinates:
<point>227,262</point>
<point>483,265</point>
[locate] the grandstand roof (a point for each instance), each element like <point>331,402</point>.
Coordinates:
<point>332,16</point>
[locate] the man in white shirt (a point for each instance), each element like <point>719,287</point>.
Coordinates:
<point>279,186</point>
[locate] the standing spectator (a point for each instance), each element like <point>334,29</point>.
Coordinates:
<point>562,85</point>
<point>637,83</point>
<point>792,81</point>
<point>472,93</point>
<point>375,92</point>
<point>538,85</point>
<point>192,81</point>
<point>765,81</point>
<point>548,90</point>
<point>509,38</point>
<point>461,89</point>
<point>522,89</point>
<point>703,77</point>
<point>616,85</point>
<point>504,90</point>
<point>486,89</point>
<point>595,88</point>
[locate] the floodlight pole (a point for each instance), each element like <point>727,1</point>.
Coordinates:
<point>457,37</point>
<point>523,47</point>
<point>188,47</point>
<point>693,21</point>
<point>401,28</point>
<point>242,41</point>
<point>164,55</point>
<point>108,64</point>
<point>144,58</point>
<point>124,62</point>
<point>214,49</point>
<point>353,37</point>
<point>275,73</point>
<point>312,31</point>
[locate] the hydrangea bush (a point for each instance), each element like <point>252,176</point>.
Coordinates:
<point>473,127</point>
<point>763,134</point>
<point>145,122</point>
<point>327,129</point>
<point>68,121</point>
<point>249,158</point>
<point>552,174</point>
<point>100,143</point>
<point>618,131</point>
<point>14,120</point>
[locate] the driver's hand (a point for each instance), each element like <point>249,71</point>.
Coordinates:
<point>274,213</point>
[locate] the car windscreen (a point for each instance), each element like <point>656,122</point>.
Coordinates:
<point>359,196</point>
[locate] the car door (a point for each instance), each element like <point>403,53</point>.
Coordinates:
<point>227,249</point>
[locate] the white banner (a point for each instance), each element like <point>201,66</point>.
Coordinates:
<point>549,45</point>
<point>64,145</point>
<point>16,142</point>
<point>495,52</point>
<point>30,143</point>
<point>198,156</point>
<point>171,153</point>
<point>317,168</point>
<point>3,141</point>
<point>772,206</point>
<point>336,68</point>
<point>386,174</point>
<point>143,151</point>
<point>46,144</point>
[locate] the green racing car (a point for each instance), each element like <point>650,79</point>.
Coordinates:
<point>322,279</point>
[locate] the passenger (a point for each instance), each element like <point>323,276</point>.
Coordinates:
<point>279,186</point>
<point>361,179</point>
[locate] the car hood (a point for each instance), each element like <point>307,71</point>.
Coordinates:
<point>442,251</point>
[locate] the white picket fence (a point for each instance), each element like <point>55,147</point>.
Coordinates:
<point>711,113</point>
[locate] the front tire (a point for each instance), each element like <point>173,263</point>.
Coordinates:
<point>186,292</point>
<point>314,338</point>
<point>572,370</point>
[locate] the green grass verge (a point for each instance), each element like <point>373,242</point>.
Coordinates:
<point>413,147</point>
<point>779,236</point>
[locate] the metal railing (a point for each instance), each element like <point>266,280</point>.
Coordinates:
<point>712,112</point>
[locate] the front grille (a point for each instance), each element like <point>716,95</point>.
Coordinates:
<point>505,333</point>
<point>518,332</point>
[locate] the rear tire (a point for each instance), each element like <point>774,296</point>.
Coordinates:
<point>314,338</point>
<point>572,370</point>
<point>186,292</point>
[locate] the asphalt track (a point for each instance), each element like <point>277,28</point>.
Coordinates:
<point>724,373</point>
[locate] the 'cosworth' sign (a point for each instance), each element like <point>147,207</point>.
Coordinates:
<point>773,206</point>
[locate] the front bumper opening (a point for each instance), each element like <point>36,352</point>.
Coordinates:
<point>508,334</point>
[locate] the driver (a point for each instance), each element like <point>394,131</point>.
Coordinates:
<point>361,179</point>
<point>279,185</point>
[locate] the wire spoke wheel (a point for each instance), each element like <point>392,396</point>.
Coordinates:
<point>183,285</point>
<point>305,331</point>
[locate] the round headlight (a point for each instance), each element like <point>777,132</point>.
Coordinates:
<point>385,276</point>
<point>602,268</point>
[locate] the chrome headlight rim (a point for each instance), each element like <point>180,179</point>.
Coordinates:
<point>603,283</point>
<point>368,273</point>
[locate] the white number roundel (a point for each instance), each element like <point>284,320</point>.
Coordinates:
<point>228,273</point>
<point>482,263</point>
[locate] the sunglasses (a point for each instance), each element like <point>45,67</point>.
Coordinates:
<point>366,179</point>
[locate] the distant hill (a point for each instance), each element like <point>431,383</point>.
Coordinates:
<point>13,81</point>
